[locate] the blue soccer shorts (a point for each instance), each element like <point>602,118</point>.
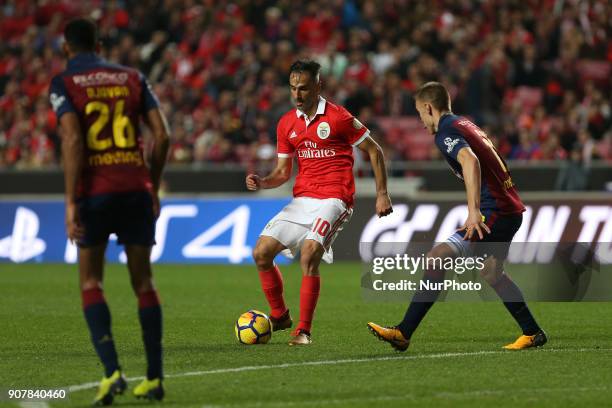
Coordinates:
<point>497,243</point>
<point>129,215</point>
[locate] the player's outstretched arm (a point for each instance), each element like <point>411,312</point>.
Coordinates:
<point>280,175</point>
<point>383,201</point>
<point>470,167</point>
<point>73,154</point>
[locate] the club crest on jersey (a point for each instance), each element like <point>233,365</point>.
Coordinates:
<point>450,144</point>
<point>323,130</point>
<point>56,101</point>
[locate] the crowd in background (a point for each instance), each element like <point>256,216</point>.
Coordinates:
<point>535,75</point>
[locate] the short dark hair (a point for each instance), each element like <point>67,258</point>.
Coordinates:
<point>310,66</point>
<point>81,34</point>
<point>434,93</point>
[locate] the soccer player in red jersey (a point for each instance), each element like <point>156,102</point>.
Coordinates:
<point>321,135</point>
<point>110,189</point>
<point>494,216</point>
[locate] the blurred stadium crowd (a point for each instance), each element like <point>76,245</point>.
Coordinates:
<point>536,75</point>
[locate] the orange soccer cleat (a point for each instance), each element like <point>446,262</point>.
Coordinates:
<point>525,342</point>
<point>391,335</point>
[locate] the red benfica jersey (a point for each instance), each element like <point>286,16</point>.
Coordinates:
<point>324,149</point>
<point>110,101</point>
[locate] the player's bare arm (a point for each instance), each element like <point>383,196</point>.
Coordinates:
<point>471,175</point>
<point>279,176</point>
<point>159,127</point>
<point>72,152</point>
<point>374,151</point>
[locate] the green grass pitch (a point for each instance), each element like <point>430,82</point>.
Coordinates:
<point>455,358</point>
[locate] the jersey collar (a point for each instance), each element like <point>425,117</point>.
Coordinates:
<point>320,110</point>
<point>83,59</point>
<point>443,118</point>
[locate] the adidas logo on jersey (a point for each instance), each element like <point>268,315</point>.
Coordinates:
<point>293,134</point>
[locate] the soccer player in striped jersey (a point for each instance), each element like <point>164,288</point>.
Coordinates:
<point>494,216</point>
<point>111,189</point>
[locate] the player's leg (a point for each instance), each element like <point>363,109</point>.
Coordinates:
<point>98,317</point>
<point>511,295</point>
<point>399,336</point>
<point>271,280</point>
<point>497,245</point>
<point>150,317</point>
<point>328,218</point>
<point>135,228</point>
<point>310,259</point>
<point>284,232</point>
<point>96,217</point>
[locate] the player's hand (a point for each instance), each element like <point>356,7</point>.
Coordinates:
<point>74,229</point>
<point>383,205</point>
<point>474,223</point>
<point>253,182</point>
<point>156,205</point>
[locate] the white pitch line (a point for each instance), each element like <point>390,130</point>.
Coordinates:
<point>79,387</point>
<point>84,386</point>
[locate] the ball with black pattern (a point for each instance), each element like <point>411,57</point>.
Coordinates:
<point>253,327</point>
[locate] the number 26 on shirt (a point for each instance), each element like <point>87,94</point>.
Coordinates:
<point>123,129</point>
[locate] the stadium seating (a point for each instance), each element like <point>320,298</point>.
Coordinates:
<point>220,70</point>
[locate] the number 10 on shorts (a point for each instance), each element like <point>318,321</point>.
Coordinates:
<point>321,227</point>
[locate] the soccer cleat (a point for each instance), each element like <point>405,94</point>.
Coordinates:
<point>109,387</point>
<point>525,342</point>
<point>150,389</point>
<point>300,338</point>
<point>391,335</point>
<point>281,323</point>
